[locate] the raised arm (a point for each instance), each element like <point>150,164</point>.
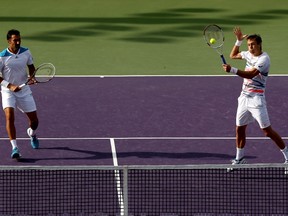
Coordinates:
<point>235,52</point>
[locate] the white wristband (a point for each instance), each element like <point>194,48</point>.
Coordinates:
<point>5,83</point>
<point>238,43</point>
<point>233,70</point>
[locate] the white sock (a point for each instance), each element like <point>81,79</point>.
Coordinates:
<point>239,153</point>
<point>13,143</point>
<point>30,132</point>
<point>285,152</point>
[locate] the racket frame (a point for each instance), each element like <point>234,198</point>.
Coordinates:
<point>33,75</point>
<point>208,33</point>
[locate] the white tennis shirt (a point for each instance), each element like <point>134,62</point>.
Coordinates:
<point>257,84</point>
<point>14,67</point>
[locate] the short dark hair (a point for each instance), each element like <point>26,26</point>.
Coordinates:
<point>255,37</point>
<point>12,32</point>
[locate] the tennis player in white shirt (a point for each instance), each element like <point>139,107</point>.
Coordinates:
<point>14,62</point>
<point>252,102</point>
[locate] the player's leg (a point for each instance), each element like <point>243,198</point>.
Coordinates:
<point>260,113</point>
<point>243,118</point>
<point>10,119</point>
<point>27,105</point>
<point>9,105</point>
<point>240,144</point>
<point>31,131</point>
<point>273,135</point>
<point>240,141</point>
<point>11,131</point>
<point>33,123</point>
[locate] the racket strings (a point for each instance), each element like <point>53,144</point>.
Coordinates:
<point>214,37</point>
<point>45,73</point>
<point>215,32</point>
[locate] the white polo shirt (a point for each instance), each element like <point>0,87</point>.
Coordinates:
<point>256,85</point>
<point>14,68</point>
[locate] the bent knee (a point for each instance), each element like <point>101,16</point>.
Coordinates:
<point>268,132</point>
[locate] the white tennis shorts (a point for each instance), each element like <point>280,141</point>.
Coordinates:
<point>251,109</point>
<point>24,103</point>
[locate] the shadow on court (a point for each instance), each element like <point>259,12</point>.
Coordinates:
<point>152,120</point>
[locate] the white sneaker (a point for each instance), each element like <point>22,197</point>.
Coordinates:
<point>236,162</point>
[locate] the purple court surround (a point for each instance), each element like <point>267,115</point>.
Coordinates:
<point>153,121</point>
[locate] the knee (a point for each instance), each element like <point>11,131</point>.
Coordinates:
<point>240,129</point>
<point>9,115</point>
<point>268,132</point>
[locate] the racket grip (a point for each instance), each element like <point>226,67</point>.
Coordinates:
<point>22,85</point>
<point>223,59</point>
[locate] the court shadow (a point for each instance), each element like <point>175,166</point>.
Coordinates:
<point>95,155</point>
<point>136,24</point>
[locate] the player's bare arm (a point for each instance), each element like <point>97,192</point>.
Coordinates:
<point>235,52</point>
<point>242,73</point>
<point>31,70</point>
<point>248,74</point>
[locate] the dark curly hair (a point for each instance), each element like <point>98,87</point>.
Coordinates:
<point>12,32</point>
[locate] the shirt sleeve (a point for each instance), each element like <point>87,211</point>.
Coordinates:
<point>1,67</point>
<point>262,65</point>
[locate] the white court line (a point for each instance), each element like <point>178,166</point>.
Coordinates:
<point>144,138</point>
<point>114,154</point>
<point>117,177</point>
<point>183,75</point>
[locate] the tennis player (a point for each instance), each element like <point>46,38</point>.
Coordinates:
<point>251,102</point>
<point>13,65</point>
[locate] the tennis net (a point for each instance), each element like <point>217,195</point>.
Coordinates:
<point>188,190</point>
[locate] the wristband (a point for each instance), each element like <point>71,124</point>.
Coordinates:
<point>233,70</point>
<point>238,43</point>
<point>5,83</point>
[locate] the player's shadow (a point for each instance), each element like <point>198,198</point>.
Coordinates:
<point>95,155</point>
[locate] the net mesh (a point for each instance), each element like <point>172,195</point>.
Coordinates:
<point>57,192</point>
<point>144,191</point>
<point>209,192</point>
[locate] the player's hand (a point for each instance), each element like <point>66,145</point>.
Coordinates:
<point>32,81</point>
<point>239,35</point>
<point>226,67</point>
<point>13,88</point>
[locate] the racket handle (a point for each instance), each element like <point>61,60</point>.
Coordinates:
<point>223,59</point>
<point>22,85</point>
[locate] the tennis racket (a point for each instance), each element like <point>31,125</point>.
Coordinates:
<point>44,73</point>
<point>214,37</point>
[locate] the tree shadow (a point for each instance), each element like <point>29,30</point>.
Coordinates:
<point>169,25</point>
